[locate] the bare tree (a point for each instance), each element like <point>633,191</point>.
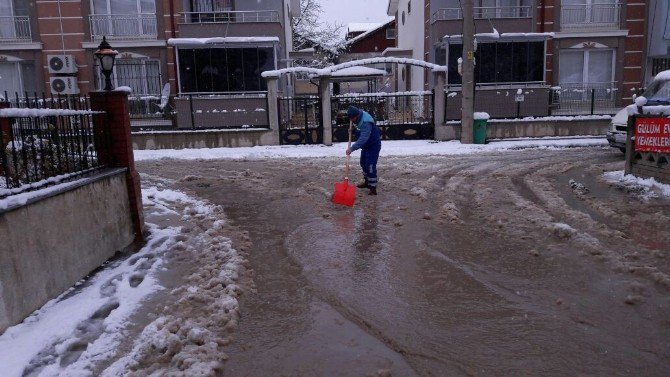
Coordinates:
<point>310,31</point>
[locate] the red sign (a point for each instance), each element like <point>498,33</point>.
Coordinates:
<point>652,135</point>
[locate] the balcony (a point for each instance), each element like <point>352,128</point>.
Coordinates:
<point>231,17</point>
<point>15,29</point>
<point>123,26</point>
<point>481,13</point>
<point>590,17</point>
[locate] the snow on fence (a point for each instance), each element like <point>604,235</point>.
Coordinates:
<point>42,146</point>
<point>244,111</point>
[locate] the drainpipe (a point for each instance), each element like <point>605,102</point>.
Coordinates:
<point>542,6</point>
<point>173,33</point>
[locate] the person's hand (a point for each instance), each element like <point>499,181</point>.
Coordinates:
<point>348,151</point>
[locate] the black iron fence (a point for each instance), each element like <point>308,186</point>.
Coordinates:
<point>43,101</point>
<point>40,146</point>
<point>400,116</point>
<point>151,112</point>
<point>300,120</point>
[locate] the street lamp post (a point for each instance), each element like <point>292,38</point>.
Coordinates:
<point>106,56</point>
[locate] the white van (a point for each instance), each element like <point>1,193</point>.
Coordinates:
<point>658,93</point>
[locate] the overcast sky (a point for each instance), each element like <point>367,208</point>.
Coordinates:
<point>346,11</point>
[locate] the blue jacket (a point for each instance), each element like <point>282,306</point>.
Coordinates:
<point>368,133</point>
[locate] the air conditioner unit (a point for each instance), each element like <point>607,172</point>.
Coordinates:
<point>61,64</point>
<point>64,85</point>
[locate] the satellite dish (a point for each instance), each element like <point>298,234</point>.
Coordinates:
<point>165,96</point>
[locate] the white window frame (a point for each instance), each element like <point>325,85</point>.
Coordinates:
<point>586,55</point>
<point>110,26</point>
<point>19,74</point>
<point>395,33</point>
<point>589,6</point>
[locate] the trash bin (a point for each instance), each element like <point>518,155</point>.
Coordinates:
<point>479,131</point>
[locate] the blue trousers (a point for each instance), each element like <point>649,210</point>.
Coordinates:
<point>369,159</point>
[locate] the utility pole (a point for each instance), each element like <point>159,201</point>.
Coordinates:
<point>468,72</point>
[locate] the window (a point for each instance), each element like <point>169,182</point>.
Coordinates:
<point>120,18</point>
<point>576,12</point>
<point>211,5</point>
<point>14,23</point>
<point>501,62</point>
<point>220,70</point>
<point>120,7</point>
<point>390,33</point>
<point>586,66</point>
<point>403,17</point>
<point>143,76</point>
<point>17,77</point>
<point>409,7</point>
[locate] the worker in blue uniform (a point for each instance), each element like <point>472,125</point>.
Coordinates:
<point>369,142</point>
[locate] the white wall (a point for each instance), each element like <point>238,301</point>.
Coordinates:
<point>411,37</point>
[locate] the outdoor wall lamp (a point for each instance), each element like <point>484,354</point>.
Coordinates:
<point>106,56</point>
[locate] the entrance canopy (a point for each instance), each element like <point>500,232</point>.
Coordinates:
<point>331,71</point>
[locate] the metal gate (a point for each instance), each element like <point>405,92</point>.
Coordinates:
<point>300,120</point>
<point>400,116</point>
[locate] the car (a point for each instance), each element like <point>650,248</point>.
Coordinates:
<point>658,93</point>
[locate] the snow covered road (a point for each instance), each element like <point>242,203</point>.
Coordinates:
<point>530,256</point>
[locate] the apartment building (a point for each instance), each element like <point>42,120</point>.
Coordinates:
<point>658,39</point>
<point>197,46</point>
<point>560,53</point>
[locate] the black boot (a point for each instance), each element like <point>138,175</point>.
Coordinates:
<point>363,184</point>
<point>373,190</point>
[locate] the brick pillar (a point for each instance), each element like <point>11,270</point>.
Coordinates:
<point>115,147</point>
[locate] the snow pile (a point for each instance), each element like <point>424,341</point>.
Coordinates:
<point>640,101</point>
<point>389,148</point>
<point>85,327</point>
<point>645,187</point>
<point>562,231</point>
<point>482,116</point>
<point>125,89</point>
<point>187,338</point>
<point>92,318</point>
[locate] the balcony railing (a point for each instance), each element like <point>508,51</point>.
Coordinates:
<point>483,13</point>
<point>231,16</point>
<point>15,29</point>
<point>590,17</point>
<point>123,26</point>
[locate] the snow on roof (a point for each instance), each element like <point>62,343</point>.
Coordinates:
<point>367,33</point>
<point>357,27</point>
<point>664,75</point>
<point>358,71</point>
<point>328,71</point>
<point>496,35</point>
<point>219,40</point>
